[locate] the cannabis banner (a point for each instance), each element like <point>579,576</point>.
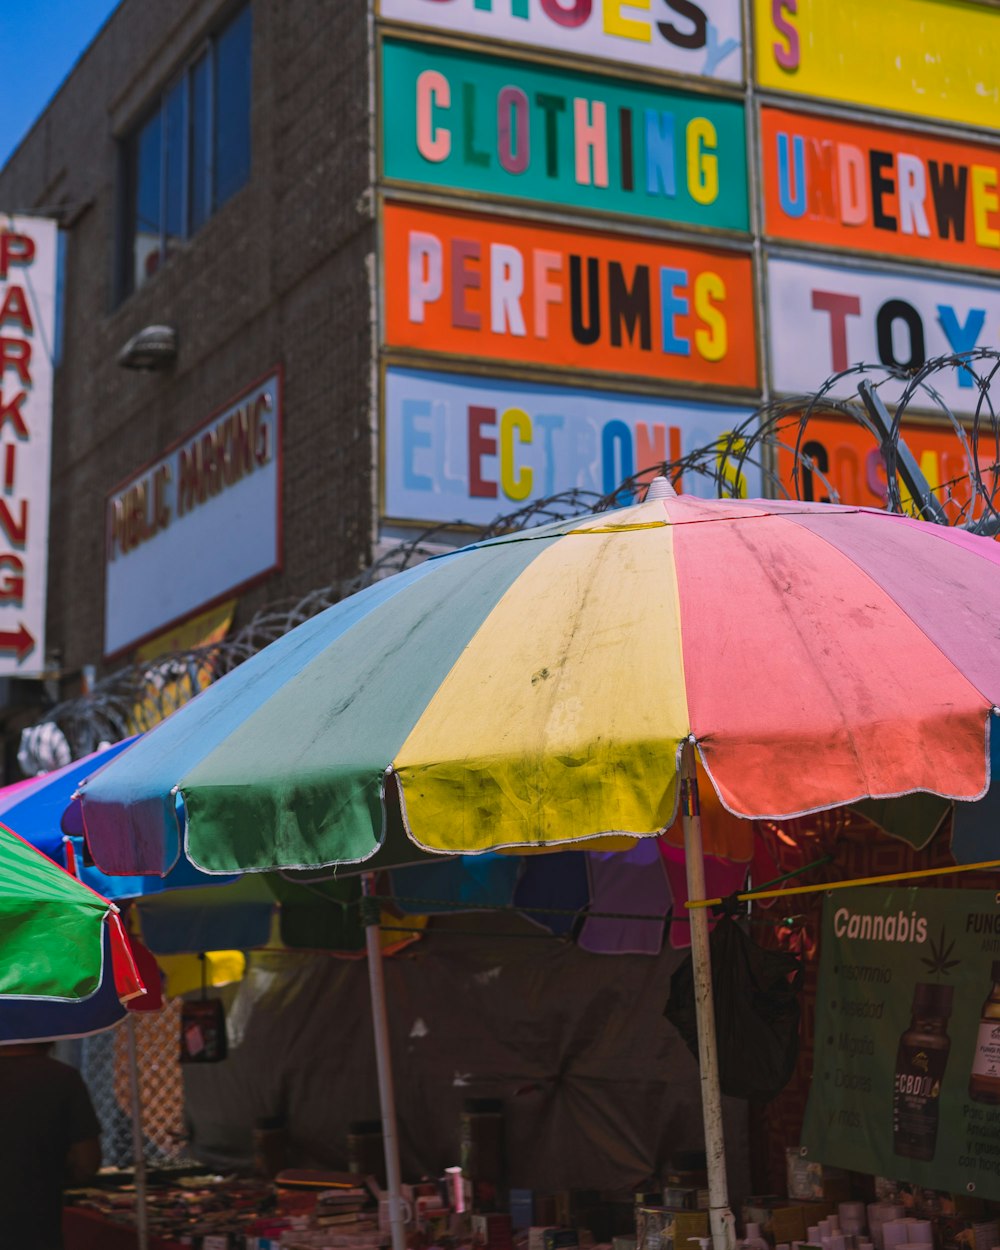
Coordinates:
<point>906,1078</point>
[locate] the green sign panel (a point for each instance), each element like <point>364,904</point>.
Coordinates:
<point>906,1079</point>
<point>461,121</point>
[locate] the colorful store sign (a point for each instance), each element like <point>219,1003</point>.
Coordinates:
<point>934,58</point>
<point>824,318</point>
<point>563,298</point>
<point>468,122</point>
<point>27,337</point>
<point>849,467</point>
<point>906,1076</point>
<point>700,38</point>
<point>879,190</point>
<point>459,448</point>
<point>209,509</point>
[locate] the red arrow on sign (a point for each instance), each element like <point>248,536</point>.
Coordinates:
<point>19,641</point>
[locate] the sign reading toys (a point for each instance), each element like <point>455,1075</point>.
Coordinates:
<point>209,506</point>
<point>490,126</point>
<point>564,298</point>
<point>906,1080</point>
<point>692,37</point>
<point>873,189</point>
<point>464,449</point>
<point>933,58</point>
<point>27,338</point>
<point>827,317</point>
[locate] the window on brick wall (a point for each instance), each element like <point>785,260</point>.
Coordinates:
<point>189,155</point>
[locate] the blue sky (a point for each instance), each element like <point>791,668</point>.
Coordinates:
<point>41,41</point>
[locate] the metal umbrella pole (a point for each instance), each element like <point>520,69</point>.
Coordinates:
<point>721,1217</point>
<point>138,1150</point>
<point>383,1061</point>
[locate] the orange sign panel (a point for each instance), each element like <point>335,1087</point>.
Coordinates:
<point>849,467</point>
<point>477,286</point>
<point>873,189</point>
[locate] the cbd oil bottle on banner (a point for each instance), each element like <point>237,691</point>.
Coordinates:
<point>920,1064</point>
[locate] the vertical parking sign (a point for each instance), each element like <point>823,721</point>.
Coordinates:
<point>27,334</point>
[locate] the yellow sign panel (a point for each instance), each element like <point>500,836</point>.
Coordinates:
<point>169,689</point>
<point>935,58</point>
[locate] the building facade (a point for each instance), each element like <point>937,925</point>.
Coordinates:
<point>334,271</point>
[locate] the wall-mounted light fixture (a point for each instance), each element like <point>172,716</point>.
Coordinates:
<point>154,347</point>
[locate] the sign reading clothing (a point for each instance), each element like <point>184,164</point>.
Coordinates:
<point>873,189</point>
<point>693,37</point>
<point>827,317</point>
<point>934,58</point>
<point>490,287</point>
<point>27,337</point>
<point>464,121</point>
<point>198,523</point>
<point>906,1078</point>
<point>462,449</point>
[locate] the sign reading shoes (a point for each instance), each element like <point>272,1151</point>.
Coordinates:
<point>694,37</point>
<point>467,122</point>
<point>562,298</point>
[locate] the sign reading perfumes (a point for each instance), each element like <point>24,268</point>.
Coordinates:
<point>692,37</point>
<point>906,1078</point>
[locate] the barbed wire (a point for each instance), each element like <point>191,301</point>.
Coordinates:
<point>771,447</point>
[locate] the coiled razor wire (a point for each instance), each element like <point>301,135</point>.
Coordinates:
<point>133,698</point>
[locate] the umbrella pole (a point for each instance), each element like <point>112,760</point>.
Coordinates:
<point>138,1150</point>
<point>383,1062</point>
<point>721,1218</point>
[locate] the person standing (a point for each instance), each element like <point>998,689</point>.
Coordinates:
<point>49,1139</point>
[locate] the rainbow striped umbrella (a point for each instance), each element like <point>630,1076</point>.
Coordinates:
<point>552,687</point>
<point>535,690</point>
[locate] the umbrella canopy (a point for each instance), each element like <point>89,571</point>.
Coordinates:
<point>535,690</point>
<point>66,965</point>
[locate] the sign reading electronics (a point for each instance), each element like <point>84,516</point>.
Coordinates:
<point>933,58</point>
<point>872,189</point>
<point>463,449</point>
<point>464,121</point>
<point>694,37</point>
<point>27,333</point>
<point>566,298</point>
<point>827,317</point>
<point>197,524</point>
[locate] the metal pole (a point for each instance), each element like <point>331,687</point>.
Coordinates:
<point>138,1151</point>
<point>721,1218</point>
<point>383,1062</point>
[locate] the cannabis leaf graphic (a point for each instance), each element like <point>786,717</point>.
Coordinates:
<point>939,961</point>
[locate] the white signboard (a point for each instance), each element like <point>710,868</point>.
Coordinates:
<point>198,524</point>
<point>27,341</point>
<point>465,449</point>
<point>695,37</point>
<point>824,318</point>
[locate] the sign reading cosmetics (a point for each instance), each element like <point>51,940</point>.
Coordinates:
<point>695,37</point>
<point>459,448</point>
<point>906,1079</point>
<point>199,523</point>
<point>573,299</point>
<point>27,333</point>
<point>879,190</point>
<point>826,317</point>
<point>465,121</point>
<point>934,58</point>
<point>849,468</point>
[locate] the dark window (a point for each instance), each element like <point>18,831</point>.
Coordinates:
<point>191,154</point>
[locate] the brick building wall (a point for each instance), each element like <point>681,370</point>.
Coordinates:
<point>279,275</point>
